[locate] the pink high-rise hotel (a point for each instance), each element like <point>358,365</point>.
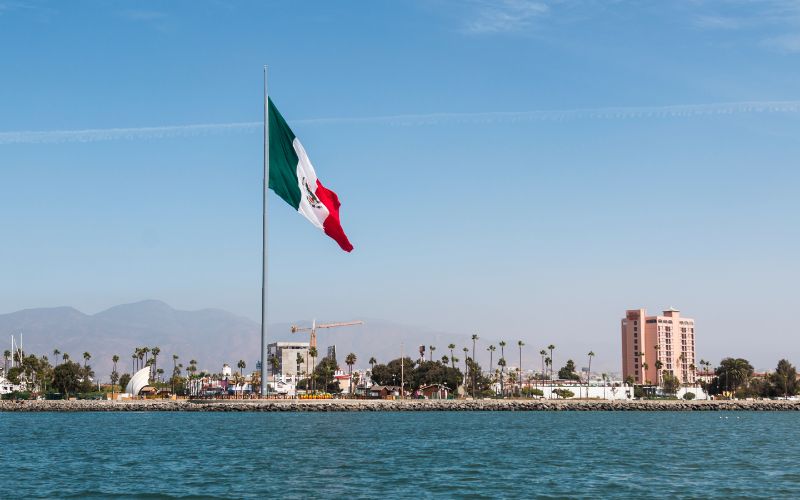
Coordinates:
<point>668,338</point>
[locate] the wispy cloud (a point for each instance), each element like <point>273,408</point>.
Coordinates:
<point>503,16</point>
<point>784,43</point>
<point>487,118</point>
<point>152,18</point>
<point>717,22</point>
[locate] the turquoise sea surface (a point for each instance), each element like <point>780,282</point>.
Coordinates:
<point>370,455</point>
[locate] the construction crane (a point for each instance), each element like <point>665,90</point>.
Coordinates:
<point>314,326</point>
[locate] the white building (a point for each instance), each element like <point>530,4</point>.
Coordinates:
<point>288,369</point>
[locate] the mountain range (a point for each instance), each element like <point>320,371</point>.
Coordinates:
<point>210,336</point>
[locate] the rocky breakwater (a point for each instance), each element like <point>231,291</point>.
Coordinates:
<point>380,405</point>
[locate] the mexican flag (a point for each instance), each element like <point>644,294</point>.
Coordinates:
<point>292,177</point>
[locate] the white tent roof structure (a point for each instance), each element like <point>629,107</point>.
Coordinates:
<point>138,381</point>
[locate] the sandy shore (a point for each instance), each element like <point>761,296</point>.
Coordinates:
<point>408,405</point>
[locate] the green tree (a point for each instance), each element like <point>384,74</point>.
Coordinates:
<point>433,372</point>
<point>543,354</point>
<point>733,372</point>
<point>563,393</point>
<point>784,380</point>
<point>502,364</point>
<point>567,372</point>
<point>670,383</point>
<point>155,351</point>
<point>313,353</point>
<point>6,358</point>
<point>123,381</point>
<point>86,358</point>
<point>520,345</point>
<point>350,361</point>
<point>324,375</point>
<point>551,348</point>
<point>299,362</point>
<point>389,374</point>
<point>475,339</point>
<point>452,354</point>
<point>67,377</point>
<point>114,373</point>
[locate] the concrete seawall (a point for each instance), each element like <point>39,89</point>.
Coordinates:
<point>413,405</point>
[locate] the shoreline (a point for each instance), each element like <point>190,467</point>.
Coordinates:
<point>390,405</point>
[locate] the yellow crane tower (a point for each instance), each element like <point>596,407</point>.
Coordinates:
<point>314,326</point>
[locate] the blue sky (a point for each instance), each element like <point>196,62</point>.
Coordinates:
<point>527,170</point>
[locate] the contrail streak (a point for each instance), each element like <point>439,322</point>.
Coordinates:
<point>614,113</point>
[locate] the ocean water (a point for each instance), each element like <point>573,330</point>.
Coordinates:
<point>371,455</point>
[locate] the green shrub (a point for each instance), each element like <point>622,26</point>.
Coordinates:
<point>689,396</point>
<point>17,395</point>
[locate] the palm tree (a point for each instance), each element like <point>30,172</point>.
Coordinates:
<point>6,357</point>
<point>174,371</point>
<point>474,340</point>
<point>452,355</point>
<point>659,365</point>
<point>56,352</point>
<point>350,360</point>
<point>543,353</point>
<point>645,366</point>
<point>491,350</point>
<point>589,372</point>
<point>502,364</point>
<point>142,356</point>
<point>466,367</point>
<point>656,347</point>
<point>548,363</point>
<point>313,353</point>
<point>65,357</point>
<point>605,381</point>
<point>551,347</point>
<point>520,344</point>
<point>86,358</point>
<point>372,362</point>
<point>241,365</point>
<point>445,360</point>
<point>432,348</point>
<point>274,363</point>
<point>156,351</point>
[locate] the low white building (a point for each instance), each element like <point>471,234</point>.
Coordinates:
<point>6,387</point>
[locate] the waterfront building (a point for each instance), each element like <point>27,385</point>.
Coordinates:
<point>667,340</point>
<point>288,370</point>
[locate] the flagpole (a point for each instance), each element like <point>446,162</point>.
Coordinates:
<point>264,267</point>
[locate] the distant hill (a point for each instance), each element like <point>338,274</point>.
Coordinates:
<point>211,336</point>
